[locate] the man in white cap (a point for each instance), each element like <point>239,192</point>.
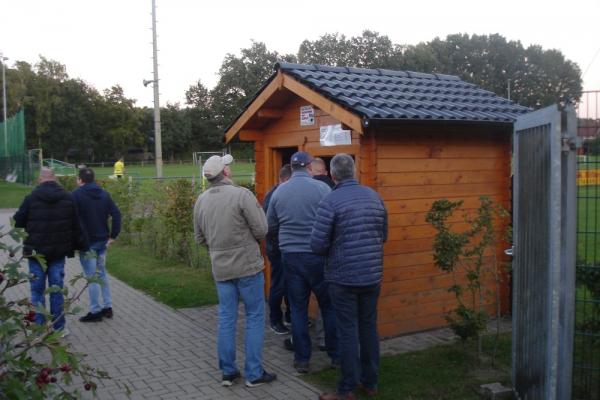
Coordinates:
<point>229,220</point>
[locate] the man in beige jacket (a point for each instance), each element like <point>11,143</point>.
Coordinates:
<point>229,220</point>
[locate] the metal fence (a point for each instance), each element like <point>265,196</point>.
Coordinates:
<point>586,360</point>
<point>544,253</point>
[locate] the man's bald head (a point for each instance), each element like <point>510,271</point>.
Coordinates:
<point>47,175</point>
<point>318,167</point>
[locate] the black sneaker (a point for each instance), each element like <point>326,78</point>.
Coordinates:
<point>107,312</point>
<point>92,317</point>
<point>279,329</point>
<point>301,367</point>
<point>288,344</point>
<point>229,380</point>
<point>265,378</point>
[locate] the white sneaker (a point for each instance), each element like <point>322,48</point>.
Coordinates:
<point>65,333</point>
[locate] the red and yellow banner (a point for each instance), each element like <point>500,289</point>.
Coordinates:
<point>587,177</point>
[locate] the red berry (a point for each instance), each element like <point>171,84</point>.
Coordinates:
<point>30,316</point>
<point>53,379</point>
<point>87,386</point>
<point>65,368</point>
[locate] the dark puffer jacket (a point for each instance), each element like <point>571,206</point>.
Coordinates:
<point>350,228</point>
<point>49,216</point>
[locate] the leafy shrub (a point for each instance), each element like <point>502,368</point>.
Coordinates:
<point>465,252</point>
<point>24,372</point>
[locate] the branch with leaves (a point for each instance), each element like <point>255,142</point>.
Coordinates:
<point>25,372</point>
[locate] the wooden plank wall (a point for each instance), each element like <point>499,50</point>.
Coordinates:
<point>287,132</point>
<point>416,166</point>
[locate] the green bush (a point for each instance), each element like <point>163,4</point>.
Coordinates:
<point>24,373</point>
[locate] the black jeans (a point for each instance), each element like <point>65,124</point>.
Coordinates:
<point>277,291</point>
<point>358,342</point>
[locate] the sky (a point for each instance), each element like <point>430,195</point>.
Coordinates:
<point>109,42</point>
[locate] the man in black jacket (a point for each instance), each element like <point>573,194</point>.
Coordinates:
<point>95,207</point>
<point>49,216</point>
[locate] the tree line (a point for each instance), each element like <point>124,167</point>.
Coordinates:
<point>70,119</point>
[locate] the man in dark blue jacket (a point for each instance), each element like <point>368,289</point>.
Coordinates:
<point>49,216</point>
<point>350,229</point>
<point>291,215</point>
<point>95,206</point>
<point>277,291</point>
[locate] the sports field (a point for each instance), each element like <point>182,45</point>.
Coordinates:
<point>242,171</point>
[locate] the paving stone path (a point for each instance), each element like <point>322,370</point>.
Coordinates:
<point>163,353</point>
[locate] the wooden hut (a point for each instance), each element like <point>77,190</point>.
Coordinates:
<point>415,138</point>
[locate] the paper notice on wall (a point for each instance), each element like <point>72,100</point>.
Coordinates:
<point>307,115</point>
<point>334,135</point>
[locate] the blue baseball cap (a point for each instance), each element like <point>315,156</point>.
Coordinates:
<point>301,158</point>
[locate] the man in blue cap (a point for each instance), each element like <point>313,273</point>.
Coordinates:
<point>291,214</point>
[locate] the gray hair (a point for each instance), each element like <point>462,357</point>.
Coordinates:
<point>342,167</point>
<point>47,175</point>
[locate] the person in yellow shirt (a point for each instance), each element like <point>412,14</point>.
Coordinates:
<point>119,168</point>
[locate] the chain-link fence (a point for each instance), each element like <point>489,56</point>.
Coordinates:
<point>586,360</point>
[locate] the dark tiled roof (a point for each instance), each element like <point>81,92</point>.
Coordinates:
<point>391,95</point>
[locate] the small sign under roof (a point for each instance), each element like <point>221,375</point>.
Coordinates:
<point>307,115</point>
<point>334,135</point>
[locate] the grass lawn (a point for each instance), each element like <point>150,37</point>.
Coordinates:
<point>171,283</point>
<point>588,224</point>
<point>242,171</point>
<point>12,194</point>
<point>443,372</point>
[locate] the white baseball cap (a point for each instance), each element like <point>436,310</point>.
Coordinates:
<point>215,164</point>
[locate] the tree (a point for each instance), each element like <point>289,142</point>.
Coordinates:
<point>205,134</point>
<point>176,131</point>
<point>537,77</point>
<point>240,78</point>
<point>120,123</point>
<point>370,50</point>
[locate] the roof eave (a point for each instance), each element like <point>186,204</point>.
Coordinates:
<point>381,122</point>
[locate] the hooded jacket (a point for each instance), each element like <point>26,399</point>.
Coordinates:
<point>95,206</point>
<point>50,218</point>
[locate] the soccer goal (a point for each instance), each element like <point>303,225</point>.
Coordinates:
<point>199,157</point>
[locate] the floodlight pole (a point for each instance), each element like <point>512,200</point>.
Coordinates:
<point>3,59</point>
<point>157,133</point>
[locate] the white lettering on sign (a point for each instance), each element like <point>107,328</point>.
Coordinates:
<point>307,115</point>
<point>334,135</point>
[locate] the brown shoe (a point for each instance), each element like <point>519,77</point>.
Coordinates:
<point>335,396</point>
<point>367,392</point>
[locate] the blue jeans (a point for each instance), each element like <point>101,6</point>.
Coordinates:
<point>356,319</point>
<point>251,290</point>
<point>277,291</point>
<point>56,274</point>
<point>94,264</point>
<point>303,273</point>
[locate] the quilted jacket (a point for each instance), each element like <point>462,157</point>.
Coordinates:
<point>350,229</point>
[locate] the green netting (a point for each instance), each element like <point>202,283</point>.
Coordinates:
<point>15,163</point>
<point>12,141</point>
